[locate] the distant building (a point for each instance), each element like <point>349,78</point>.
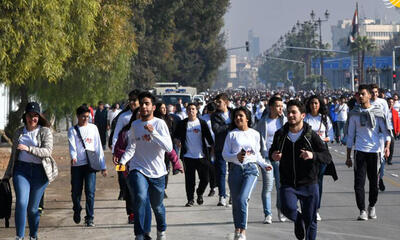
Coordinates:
<point>254,42</point>
<point>232,66</point>
<point>375,30</point>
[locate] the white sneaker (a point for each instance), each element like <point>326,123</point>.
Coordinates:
<point>222,201</point>
<point>281,217</point>
<point>268,219</point>
<point>161,235</point>
<point>318,217</point>
<point>371,213</point>
<point>363,216</point>
<point>139,237</point>
<point>242,236</point>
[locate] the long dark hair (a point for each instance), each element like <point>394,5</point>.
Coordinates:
<point>42,120</point>
<point>323,110</point>
<point>133,118</point>
<point>248,116</point>
<point>166,117</point>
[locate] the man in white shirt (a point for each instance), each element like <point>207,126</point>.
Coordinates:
<point>341,110</point>
<point>267,126</point>
<point>366,123</point>
<point>148,141</point>
<point>192,134</point>
<point>81,137</point>
<point>112,113</point>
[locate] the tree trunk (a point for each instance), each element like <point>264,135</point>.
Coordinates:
<point>362,67</point>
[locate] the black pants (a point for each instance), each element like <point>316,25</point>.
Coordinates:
<point>191,166</point>
<point>126,193</point>
<point>389,159</point>
<point>366,164</point>
<point>211,172</point>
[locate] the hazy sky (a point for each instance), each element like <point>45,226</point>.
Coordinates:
<point>270,19</point>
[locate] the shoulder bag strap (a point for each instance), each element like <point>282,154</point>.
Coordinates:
<point>80,136</point>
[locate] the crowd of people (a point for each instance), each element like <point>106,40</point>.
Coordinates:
<point>283,135</point>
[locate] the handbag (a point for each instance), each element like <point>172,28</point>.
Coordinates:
<point>92,156</point>
<point>5,201</point>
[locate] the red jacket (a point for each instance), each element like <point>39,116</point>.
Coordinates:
<point>396,121</point>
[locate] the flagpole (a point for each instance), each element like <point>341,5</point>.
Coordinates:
<point>360,74</point>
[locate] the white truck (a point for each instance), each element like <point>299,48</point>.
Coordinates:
<point>171,92</point>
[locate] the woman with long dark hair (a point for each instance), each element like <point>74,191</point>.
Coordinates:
<point>242,150</point>
<point>32,145</point>
<point>317,118</point>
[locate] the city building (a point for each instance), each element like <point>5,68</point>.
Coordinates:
<point>375,30</point>
<point>254,42</point>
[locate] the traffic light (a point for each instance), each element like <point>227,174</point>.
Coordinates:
<point>394,76</point>
<point>247,46</point>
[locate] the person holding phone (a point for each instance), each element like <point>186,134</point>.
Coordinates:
<point>242,149</point>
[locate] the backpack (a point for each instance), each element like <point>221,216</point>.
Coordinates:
<point>5,201</point>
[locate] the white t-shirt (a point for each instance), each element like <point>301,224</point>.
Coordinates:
<point>91,137</point>
<point>146,149</point>
<point>319,127</point>
<point>226,116</point>
<point>272,126</point>
<point>341,111</point>
<point>207,118</point>
<point>295,136</point>
<point>194,145</point>
<point>29,138</point>
<point>249,140</point>
<point>111,115</point>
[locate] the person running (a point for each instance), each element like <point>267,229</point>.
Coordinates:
<point>300,151</point>
<point>366,123</point>
<point>32,143</point>
<point>267,126</point>
<point>220,122</point>
<point>242,149</point>
<point>192,134</point>
<point>394,122</point>
<point>149,140</point>
<point>81,137</point>
<point>317,118</point>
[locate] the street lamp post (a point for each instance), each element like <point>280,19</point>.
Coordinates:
<point>319,22</point>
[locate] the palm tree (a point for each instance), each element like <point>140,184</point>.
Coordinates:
<point>362,45</point>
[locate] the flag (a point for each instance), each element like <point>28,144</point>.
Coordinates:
<point>354,27</point>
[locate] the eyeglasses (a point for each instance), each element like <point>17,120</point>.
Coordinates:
<point>85,116</point>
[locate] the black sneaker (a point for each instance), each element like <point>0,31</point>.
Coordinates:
<point>299,228</point>
<point>121,196</point>
<point>381,185</point>
<point>165,194</point>
<point>77,217</point>
<point>212,193</point>
<point>389,163</point>
<point>147,236</point>
<point>190,203</point>
<point>200,200</point>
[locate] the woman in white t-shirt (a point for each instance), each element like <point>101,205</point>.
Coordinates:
<point>32,143</point>
<point>317,118</point>
<point>242,151</point>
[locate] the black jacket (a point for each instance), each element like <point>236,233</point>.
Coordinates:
<point>295,171</point>
<point>180,133</point>
<point>220,129</point>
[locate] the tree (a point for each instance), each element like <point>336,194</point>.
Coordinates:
<point>361,46</point>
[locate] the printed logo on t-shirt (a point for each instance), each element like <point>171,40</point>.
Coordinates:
<point>88,140</point>
<point>195,130</point>
<point>146,138</point>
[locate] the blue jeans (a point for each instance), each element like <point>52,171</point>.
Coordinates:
<point>242,179</point>
<point>268,184</point>
<point>220,171</point>
<point>147,191</point>
<point>30,181</point>
<point>342,134</point>
<point>79,175</point>
<point>275,168</point>
<point>308,197</point>
<point>322,168</point>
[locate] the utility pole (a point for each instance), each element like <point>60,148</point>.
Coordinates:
<point>319,22</point>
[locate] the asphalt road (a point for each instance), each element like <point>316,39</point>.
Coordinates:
<point>338,211</point>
